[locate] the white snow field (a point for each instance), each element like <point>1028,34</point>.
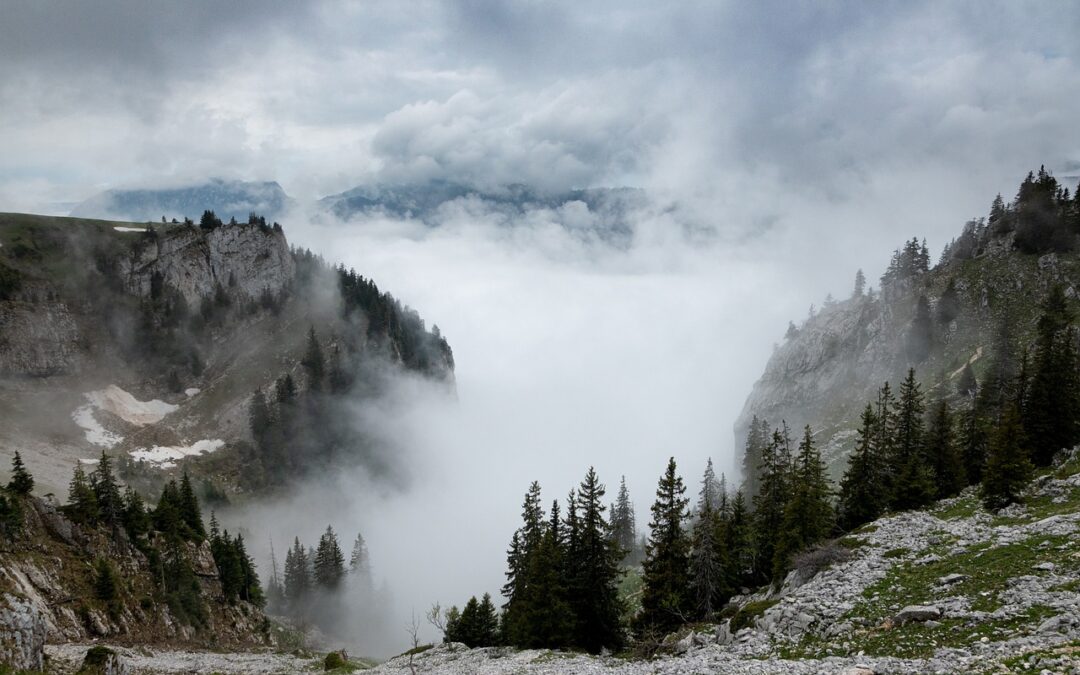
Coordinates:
<point>166,456</point>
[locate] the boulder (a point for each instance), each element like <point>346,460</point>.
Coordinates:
<point>918,613</point>
<point>684,645</point>
<point>857,670</point>
<point>950,579</point>
<point>103,661</point>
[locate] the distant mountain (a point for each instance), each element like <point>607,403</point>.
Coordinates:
<point>609,210</point>
<point>228,199</point>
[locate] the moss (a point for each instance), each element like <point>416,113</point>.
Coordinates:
<point>896,553</point>
<point>418,650</point>
<point>748,613</point>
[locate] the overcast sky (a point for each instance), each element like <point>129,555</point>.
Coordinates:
<point>812,137</point>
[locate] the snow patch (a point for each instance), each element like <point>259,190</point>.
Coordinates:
<point>191,392</point>
<point>95,433</point>
<point>166,456</point>
<point>119,228</point>
<point>115,400</point>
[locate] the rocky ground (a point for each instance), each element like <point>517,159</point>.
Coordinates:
<point>68,658</point>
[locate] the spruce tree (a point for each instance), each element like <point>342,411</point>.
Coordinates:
<point>771,501</point>
<point>297,577</point>
<point>862,492</point>
<point>1050,413</point>
<point>313,360</point>
<point>1007,467</point>
<point>974,438</point>
<point>190,512</point>
<point>329,561</point>
<point>107,492</point>
<point>360,563</point>
<point>757,441</point>
<point>945,453</point>
<point>808,515</point>
<point>523,549</point>
<point>665,603</point>
<point>82,504</point>
<point>623,527</point>
<point>136,520</point>
<point>708,567</point>
<point>548,620</point>
<point>913,481</point>
<point>596,573</point>
<point>21,483</point>
<point>884,439</point>
<point>739,541</point>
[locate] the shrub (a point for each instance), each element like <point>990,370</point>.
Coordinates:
<point>335,660</point>
<point>810,562</point>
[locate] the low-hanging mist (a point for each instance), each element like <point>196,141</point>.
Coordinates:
<point>570,353</point>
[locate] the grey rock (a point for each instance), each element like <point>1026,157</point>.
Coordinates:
<point>950,579</point>
<point>918,613</point>
<point>1045,567</point>
<point>23,630</point>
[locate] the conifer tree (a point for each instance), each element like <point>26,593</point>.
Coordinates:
<point>708,566</point>
<point>1007,466</point>
<point>623,527</point>
<point>190,512</point>
<point>313,360</point>
<point>666,570</point>
<point>594,584</point>
<point>21,483</point>
<point>860,284</point>
<point>757,441</point>
<point>913,486</point>
<point>884,439</point>
<point>297,577</point>
<point>808,515</point>
<point>523,549</point>
<point>1053,402</point>
<point>275,592</point>
<point>862,496</point>
<point>329,565</point>
<point>945,453</point>
<point>548,619</point>
<point>771,501</point>
<point>739,541</point>
<point>967,387</point>
<point>107,492</point>
<point>360,562</point>
<point>82,504</point>
<point>974,439</point>
<point>136,519</point>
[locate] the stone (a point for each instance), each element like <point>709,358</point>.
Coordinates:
<point>950,579</point>
<point>103,661</point>
<point>918,613</point>
<point>1045,567</point>
<point>857,670</point>
<point>23,630</point>
<point>684,645</point>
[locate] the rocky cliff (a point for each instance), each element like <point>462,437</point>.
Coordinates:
<point>48,593</point>
<point>247,258</point>
<point>963,311</point>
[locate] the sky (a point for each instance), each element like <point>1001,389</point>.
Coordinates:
<point>807,139</point>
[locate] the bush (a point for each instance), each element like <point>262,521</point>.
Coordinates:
<point>810,562</point>
<point>334,660</point>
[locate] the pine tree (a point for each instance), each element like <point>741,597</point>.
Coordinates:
<point>1053,401</point>
<point>21,483</point>
<point>913,487</point>
<point>107,492</point>
<point>920,337</point>
<point>665,603</point>
<point>884,439</point>
<point>708,565</point>
<point>862,495</point>
<point>523,549</point>
<point>1007,467</point>
<point>623,527</point>
<point>594,584</point>
<point>771,501</point>
<point>136,520</point>
<point>190,512</point>
<point>548,620</point>
<point>739,541</point>
<point>757,440</point>
<point>808,516</point>
<point>329,561</point>
<point>360,562</point>
<point>860,284</point>
<point>82,504</point>
<point>945,453</point>
<point>297,578</point>
<point>313,360</point>
<point>275,592</point>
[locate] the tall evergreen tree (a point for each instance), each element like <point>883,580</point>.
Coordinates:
<point>190,511</point>
<point>548,619</point>
<point>739,541</point>
<point>297,577</point>
<point>596,573</point>
<point>771,501</point>
<point>314,361</point>
<point>136,520</point>
<point>665,603</point>
<point>757,441</point>
<point>862,496</point>
<point>21,483</point>
<point>82,503</point>
<point>107,492</point>
<point>1050,415</point>
<point>623,527</point>
<point>1007,467</point>
<point>360,562</point>
<point>913,482</point>
<point>329,562</point>
<point>708,567</point>
<point>884,438</point>
<point>945,452</point>
<point>808,515</point>
<point>523,549</point>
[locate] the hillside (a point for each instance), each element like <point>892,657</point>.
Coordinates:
<point>149,341</point>
<point>949,590</point>
<point>977,306</point>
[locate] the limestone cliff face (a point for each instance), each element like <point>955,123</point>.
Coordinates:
<point>38,339</point>
<point>242,257</point>
<point>827,370</point>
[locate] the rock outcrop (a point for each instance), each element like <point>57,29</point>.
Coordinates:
<point>246,258</point>
<point>23,631</point>
<point>38,339</point>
